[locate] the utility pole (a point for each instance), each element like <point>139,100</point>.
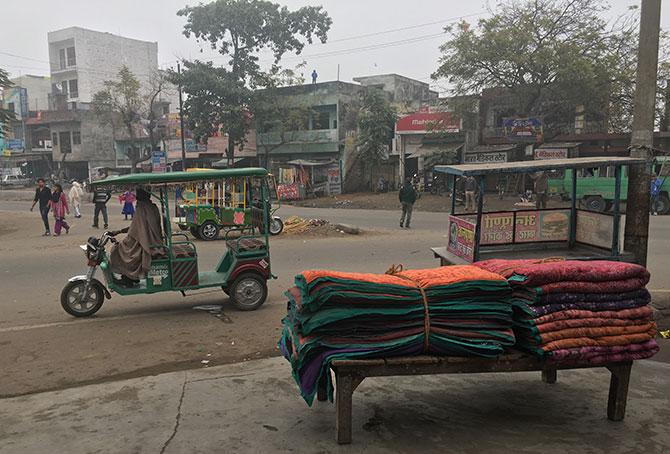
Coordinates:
<point>642,140</point>
<point>181,122</point>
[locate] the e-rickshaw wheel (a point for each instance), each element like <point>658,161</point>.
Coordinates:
<point>208,231</point>
<point>248,291</point>
<point>79,305</point>
<point>276,225</point>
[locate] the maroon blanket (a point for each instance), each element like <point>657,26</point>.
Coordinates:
<point>535,273</point>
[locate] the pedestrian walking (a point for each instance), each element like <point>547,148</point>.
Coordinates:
<point>407,196</point>
<point>59,207</point>
<point>100,199</point>
<point>541,188</point>
<point>470,193</point>
<point>128,201</point>
<point>74,196</point>
<point>43,196</point>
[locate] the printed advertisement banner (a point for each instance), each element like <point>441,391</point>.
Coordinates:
<point>523,129</point>
<point>595,229</point>
<point>158,161</point>
<point>461,238</point>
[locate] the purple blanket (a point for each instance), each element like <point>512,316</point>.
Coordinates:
<point>589,306</point>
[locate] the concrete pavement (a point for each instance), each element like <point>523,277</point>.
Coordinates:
<point>254,407</point>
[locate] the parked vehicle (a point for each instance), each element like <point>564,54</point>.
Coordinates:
<point>242,271</point>
<point>15,180</point>
<point>595,187</point>
<point>206,209</point>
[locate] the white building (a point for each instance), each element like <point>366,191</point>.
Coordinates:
<point>81,60</point>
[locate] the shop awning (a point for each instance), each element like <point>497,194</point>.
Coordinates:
<point>304,148</point>
<point>222,164</point>
<point>305,163</point>
<point>436,148</point>
<point>554,145</point>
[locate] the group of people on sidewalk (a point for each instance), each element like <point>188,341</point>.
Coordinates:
<point>59,205</point>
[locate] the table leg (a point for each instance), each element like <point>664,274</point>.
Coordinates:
<point>549,376</point>
<point>343,403</point>
<point>618,395</point>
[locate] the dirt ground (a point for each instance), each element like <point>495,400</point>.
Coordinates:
<point>427,202</point>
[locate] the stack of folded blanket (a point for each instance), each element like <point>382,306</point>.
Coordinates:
<point>580,312</point>
<point>457,310</point>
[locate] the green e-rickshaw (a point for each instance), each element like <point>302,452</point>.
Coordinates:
<point>207,208</point>
<point>242,272</point>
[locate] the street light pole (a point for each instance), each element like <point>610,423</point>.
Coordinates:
<point>181,122</point>
<point>642,140</point>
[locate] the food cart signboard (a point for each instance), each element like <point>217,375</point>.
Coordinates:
<point>595,229</point>
<point>536,226</point>
<point>497,228</point>
<point>461,238</point>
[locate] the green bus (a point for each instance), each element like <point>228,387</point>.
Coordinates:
<point>595,186</point>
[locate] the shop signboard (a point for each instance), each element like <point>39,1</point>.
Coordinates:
<point>536,226</point>
<point>595,229</point>
<point>523,129</point>
<point>485,158</point>
<point>424,122</point>
<point>461,238</point>
<point>334,179</point>
<point>158,161</point>
<point>551,153</point>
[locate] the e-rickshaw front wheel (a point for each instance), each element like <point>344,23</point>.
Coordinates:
<point>208,231</point>
<point>248,291</point>
<point>79,303</point>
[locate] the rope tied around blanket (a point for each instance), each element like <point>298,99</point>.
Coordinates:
<point>395,270</point>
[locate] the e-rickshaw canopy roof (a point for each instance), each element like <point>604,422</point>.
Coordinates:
<point>180,177</point>
<point>535,166</point>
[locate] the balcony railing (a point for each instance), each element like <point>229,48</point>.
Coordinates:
<point>312,136</point>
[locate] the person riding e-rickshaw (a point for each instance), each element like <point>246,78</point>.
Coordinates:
<point>152,259</point>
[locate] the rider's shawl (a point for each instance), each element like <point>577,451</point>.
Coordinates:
<point>132,256</point>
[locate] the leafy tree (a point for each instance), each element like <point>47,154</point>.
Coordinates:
<point>240,30</point>
<point>550,56</point>
<point>5,115</point>
<point>376,123</point>
<point>123,105</point>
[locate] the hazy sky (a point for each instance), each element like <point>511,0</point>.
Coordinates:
<point>412,52</point>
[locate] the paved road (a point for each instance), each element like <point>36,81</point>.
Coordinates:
<point>41,347</point>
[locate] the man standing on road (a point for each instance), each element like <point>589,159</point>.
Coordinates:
<point>470,193</point>
<point>541,188</point>
<point>43,196</point>
<point>100,198</point>
<point>407,198</point>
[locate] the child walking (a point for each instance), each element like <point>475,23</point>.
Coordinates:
<point>128,200</point>
<point>59,207</point>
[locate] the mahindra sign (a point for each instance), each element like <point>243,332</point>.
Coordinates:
<point>427,122</point>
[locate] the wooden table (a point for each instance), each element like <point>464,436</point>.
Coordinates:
<point>350,373</point>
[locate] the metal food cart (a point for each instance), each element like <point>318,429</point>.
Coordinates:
<point>572,232</point>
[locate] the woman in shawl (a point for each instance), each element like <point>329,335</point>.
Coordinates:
<point>131,257</point>
<point>75,194</point>
<point>59,207</point>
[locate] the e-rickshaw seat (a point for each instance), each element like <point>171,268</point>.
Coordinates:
<point>246,245</point>
<point>182,251</point>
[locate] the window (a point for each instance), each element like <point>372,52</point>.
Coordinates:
<point>63,61</point>
<point>166,110</point>
<point>321,120</point>
<point>54,139</point>
<point>65,142</point>
<point>74,89</point>
<point>10,107</point>
<point>71,58</point>
<point>76,138</point>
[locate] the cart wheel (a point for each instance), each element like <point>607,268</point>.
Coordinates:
<point>276,226</point>
<point>595,203</point>
<point>75,303</point>
<point>194,232</point>
<point>248,292</point>
<point>663,204</point>
<point>208,231</point>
